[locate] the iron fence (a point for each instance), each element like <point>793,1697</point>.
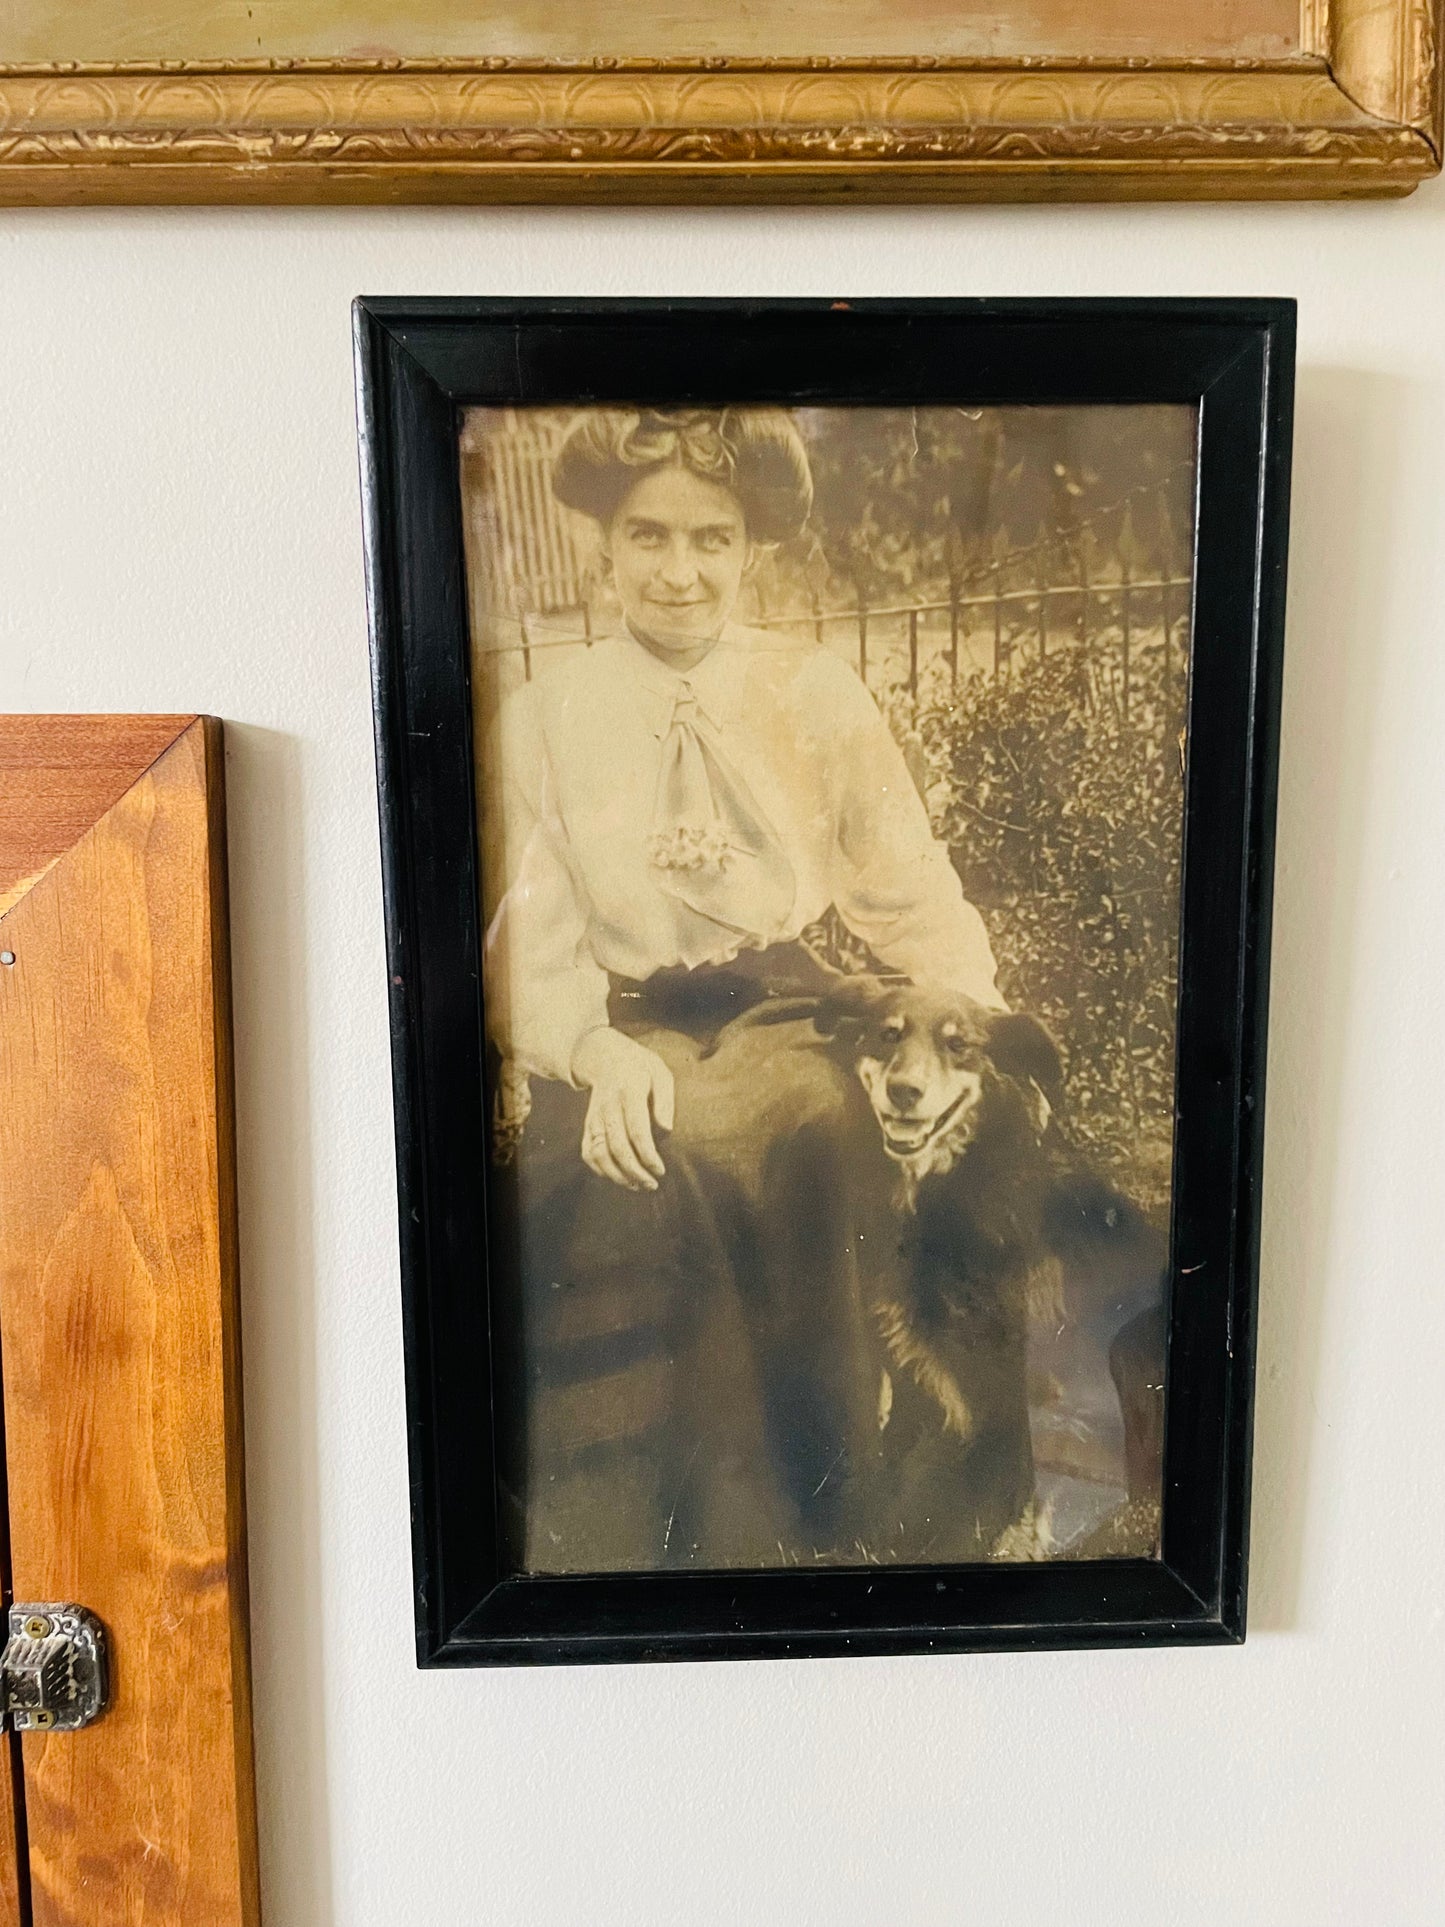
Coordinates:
<point>1086,581</point>
<point>893,643</point>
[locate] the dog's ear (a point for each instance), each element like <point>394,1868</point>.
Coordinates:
<point>1021,1047</point>
<point>851,1001</point>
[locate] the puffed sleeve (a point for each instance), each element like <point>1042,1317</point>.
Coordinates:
<point>894,884</point>
<point>544,990</point>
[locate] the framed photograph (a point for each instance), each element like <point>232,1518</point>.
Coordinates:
<point>405,100</point>
<point>827,760</point>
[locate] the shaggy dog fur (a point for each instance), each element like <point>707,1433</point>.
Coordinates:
<point>989,1204</point>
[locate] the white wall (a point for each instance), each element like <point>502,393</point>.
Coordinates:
<point>179,530</point>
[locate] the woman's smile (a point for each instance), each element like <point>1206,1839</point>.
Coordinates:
<point>679,547</point>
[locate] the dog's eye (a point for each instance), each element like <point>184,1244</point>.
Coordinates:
<point>892,1032</point>
<point>957,1046</point>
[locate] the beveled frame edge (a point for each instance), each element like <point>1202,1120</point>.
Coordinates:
<point>131,745</point>
<point>1357,113</point>
<point>415,370</point>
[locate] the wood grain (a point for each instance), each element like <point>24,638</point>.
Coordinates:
<point>13,1881</point>
<point>1356,112</point>
<point>14,1865</point>
<point>121,1351</point>
<point>58,776</point>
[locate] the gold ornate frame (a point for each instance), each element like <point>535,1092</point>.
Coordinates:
<point>1356,113</point>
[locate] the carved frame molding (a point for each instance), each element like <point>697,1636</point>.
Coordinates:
<point>1356,113</point>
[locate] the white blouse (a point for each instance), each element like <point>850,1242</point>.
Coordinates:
<point>573,768</point>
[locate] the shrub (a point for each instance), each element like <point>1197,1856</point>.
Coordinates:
<point>1059,791</point>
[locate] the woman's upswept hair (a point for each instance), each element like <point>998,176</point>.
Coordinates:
<point>757,453</point>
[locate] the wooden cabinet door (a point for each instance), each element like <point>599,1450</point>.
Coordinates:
<point>118,1319</point>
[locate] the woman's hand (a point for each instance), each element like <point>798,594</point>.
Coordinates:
<point>631,1091</point>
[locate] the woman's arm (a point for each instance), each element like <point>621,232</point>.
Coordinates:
<point>544,989</point>
<point>895,886</point>
<point>546,994</point>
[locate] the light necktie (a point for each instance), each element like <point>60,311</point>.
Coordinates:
<point>711,847</point>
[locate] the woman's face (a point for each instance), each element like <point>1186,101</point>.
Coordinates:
<point>678,546</point>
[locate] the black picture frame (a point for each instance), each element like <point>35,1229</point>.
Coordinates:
<point>419,363</point>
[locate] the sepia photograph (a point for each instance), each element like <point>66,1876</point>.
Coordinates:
<point>830,788</point>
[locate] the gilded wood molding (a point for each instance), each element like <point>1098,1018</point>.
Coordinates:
<point>1356,114</point>
<point>1385,54</point>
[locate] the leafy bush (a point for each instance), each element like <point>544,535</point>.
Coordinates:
<point>1059,791</point>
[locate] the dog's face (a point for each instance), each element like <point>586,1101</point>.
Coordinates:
<point>929,1059</point>
<point>922,1063</point>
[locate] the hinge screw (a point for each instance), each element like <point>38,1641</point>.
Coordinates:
<point>53,1669</point>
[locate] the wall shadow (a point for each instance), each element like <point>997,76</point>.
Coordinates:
<point>1343,544</point>
<point>279,1315</point>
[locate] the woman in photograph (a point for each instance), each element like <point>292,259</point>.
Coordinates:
<point>691,1198</point>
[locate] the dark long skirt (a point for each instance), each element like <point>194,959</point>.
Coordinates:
<point>698,1373</point>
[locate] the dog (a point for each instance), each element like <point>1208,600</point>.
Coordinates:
<point>992,1209</point>
<point>962,1099</point>
<point>937,1067</point>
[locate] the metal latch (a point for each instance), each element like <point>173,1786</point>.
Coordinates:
<point>53,1675</point>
